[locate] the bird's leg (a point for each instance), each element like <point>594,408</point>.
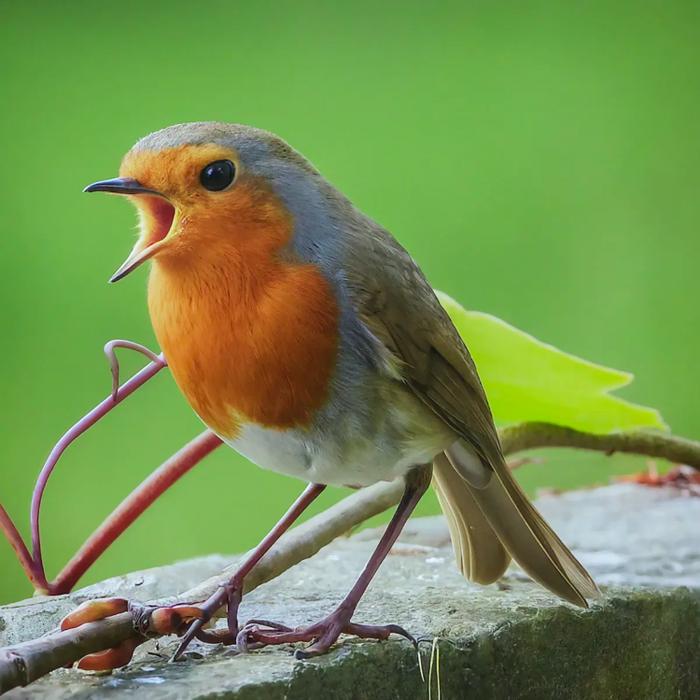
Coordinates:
<point>231,592</point>
<point>182,618</point>
<point>325,632</point>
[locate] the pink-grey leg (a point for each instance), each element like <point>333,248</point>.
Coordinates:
<point>230,594</point>
<point>325,633</point>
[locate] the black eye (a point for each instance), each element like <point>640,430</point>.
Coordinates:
<point>217,175</point>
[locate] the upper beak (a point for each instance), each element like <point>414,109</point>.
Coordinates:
<point>120,185</point>
<point>141,251</point>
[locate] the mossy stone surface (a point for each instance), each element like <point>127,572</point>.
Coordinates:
<point>640,640</point>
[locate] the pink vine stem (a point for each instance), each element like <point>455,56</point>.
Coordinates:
<point>25,558</point>
<point>130,508</point>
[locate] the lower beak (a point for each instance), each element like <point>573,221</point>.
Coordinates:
<point>138,255</point>
<point>142,251</point>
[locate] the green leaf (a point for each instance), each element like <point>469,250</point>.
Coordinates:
<point>528,380</point>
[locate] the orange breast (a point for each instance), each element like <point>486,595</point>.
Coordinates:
<point>248,335</point>
<point>264,358</point>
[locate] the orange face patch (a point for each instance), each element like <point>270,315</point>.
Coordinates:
<point>250,334</point>
<point>204,221</point>
<point>174,172</point>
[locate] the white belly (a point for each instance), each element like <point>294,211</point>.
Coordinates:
<point>345,457</point>
<point>278,450</point>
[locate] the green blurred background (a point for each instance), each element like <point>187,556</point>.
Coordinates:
<point>540,160</point>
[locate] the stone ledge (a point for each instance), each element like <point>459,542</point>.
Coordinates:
<point>513,640</point>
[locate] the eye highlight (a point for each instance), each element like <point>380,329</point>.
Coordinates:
<point>218,175</point>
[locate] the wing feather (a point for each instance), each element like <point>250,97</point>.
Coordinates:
<point>489,515</point>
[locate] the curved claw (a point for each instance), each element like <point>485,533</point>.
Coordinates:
<point>242,640</point>
<point>245,641</point>
<point>194,630</point>
<point>380,632</point>
<point>242,643</point>
<point>228,594</point>
<point>92,610</point>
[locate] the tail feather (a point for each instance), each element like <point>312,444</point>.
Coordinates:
<point>498,511</point>
<point>479,553</point>
<point>558,553</point>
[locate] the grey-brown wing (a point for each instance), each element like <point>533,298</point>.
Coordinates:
<point>491,517</point>
<point>399,306</point>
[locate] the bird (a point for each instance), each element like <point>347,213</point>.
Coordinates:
<point>308,339</point>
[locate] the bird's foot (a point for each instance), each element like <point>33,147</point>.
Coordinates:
<point>258,633</point>
<point>150,621</point>
<point>228,594</point>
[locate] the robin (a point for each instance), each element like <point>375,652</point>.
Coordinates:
<point>308,340</point>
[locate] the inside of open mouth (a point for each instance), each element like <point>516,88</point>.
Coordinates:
<point>160,214</point>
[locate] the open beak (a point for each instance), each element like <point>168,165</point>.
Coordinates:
<point>159,213</point>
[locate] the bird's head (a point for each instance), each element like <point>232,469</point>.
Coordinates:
<point>207,187</point>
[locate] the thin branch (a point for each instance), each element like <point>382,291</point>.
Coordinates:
<point>528,436</point>
<point>24,663</point>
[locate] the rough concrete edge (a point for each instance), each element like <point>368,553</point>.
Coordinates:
<point>639,644</point>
